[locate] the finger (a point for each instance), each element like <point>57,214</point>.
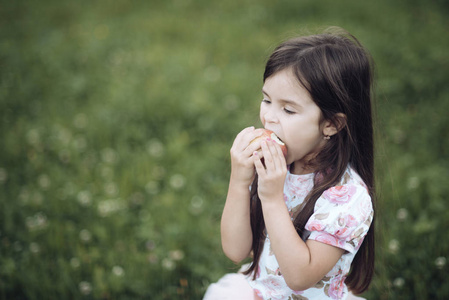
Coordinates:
<point>268,155</point>
<point>260,169</point>
<point>245,137</point>
<point>251,141</point>
<point>272,150</point>
<point>240,136</point>
<point>278,156</point>
<point>281,156</point>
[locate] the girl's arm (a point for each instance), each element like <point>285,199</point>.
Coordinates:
<point>236,235</point>
<point>302,264</point>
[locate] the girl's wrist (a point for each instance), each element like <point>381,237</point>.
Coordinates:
<point>237,181</point>
<point>273,201</point>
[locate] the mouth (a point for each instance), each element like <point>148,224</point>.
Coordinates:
<point>277,139</point>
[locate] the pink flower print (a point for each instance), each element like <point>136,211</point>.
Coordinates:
<point>345,223</point>
<point>315,225</point>
<point>300,192</point>
<point>337,287</point>
<point>340,194</point>
<point>258,293</point>
<point>327,239</point>
<point>342,233</point>
<point>348,220</point>
<point>275,287</point>
<point>365,208</point>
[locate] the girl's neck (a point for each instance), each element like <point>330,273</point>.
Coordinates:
<point>298,168</point>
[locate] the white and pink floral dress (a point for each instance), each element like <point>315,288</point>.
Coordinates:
<point>341,218</point>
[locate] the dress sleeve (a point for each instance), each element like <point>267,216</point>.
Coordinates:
<point>342,217</point>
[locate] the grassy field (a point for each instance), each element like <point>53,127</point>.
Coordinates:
<point>116,119</point>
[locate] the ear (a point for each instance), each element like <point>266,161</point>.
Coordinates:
<point>331,127</point>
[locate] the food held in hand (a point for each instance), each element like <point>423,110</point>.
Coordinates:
<point>267,135</point>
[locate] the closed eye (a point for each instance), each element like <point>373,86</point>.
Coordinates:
<point>289,111</point>
<point>266,101</point>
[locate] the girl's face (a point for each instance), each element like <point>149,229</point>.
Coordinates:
<point>288,110</point>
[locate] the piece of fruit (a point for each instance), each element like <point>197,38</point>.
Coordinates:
<point>267,135</point>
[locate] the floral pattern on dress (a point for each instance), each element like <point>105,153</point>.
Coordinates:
<point>341,218</point>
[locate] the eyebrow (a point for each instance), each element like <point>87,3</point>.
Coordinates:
<point>285,101</point>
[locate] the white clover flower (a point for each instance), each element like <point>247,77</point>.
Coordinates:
<point>398,135</point>
<point>393,246</point>
<point>44,181</point>
<point>85,287</point>
<point>176,255</point>
<point>402,214</point>
<point>85,235</point>
<point>413,183</point>
<point>177,181</point>
<point>196,205</point>
<point>107,207</point>
<point>75,262</point>
<point>118,271</point>
<point>155,148</point>
<point>111,189</point>
<point>35,248</point>
<point>37,222</point>
<point>440,262</point>
<point>109,155</point>
<point>84,198</point>
<point>168,264</point>
<point>399,282</point>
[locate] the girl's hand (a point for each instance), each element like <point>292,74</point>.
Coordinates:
<point>271,175</point>
<point>242,165</point>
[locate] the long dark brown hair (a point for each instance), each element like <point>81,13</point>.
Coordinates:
<point>337,72</point>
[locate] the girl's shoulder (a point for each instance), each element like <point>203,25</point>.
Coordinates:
<point>351,177</point>
<point>350,191</point>
<point>343,214</point>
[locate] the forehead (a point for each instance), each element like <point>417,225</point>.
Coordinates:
<point>285,85</point>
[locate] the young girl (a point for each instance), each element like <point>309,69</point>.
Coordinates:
<point>306,218</point>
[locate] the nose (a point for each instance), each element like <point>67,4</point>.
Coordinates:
<point>270,116</point>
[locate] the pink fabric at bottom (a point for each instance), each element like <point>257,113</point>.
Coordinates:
<point>230,287</point>
<point>235,287</point>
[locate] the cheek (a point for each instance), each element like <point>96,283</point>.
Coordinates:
<point>261,116</point>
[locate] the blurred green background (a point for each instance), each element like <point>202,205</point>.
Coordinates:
<point>116,119</point>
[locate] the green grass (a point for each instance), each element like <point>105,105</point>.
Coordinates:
<point>116,119</point>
